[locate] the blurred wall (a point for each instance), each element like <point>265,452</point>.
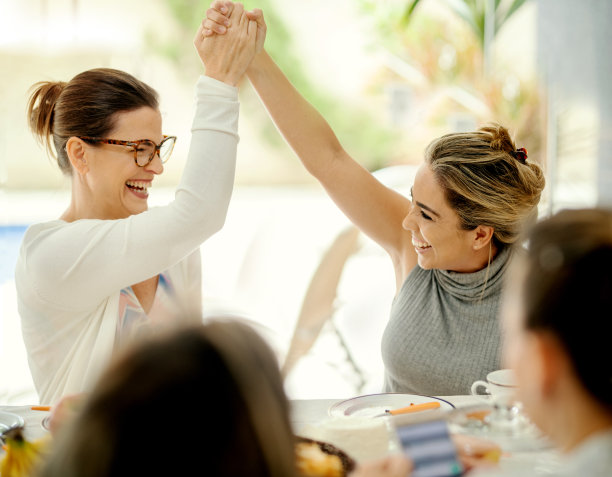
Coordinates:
<point>575,60</point>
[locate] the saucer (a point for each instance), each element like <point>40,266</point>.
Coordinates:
<point>509,428</point>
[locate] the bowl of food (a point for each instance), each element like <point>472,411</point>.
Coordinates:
<point>321,459</point>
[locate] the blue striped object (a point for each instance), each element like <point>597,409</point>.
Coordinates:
<point>430,448</point>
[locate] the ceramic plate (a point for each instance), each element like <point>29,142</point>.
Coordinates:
<point>9,420</point>
<point>372,405</point>
<point>512,431</point>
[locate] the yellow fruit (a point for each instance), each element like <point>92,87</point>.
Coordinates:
<point>22,456</point>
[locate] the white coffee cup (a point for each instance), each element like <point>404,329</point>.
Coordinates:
<point>500,385</point>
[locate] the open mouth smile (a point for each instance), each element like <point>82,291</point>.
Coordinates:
<point>139,188</point>
<point>420,246</point>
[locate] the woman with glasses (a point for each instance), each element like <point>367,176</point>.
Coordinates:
<point>109,268</point>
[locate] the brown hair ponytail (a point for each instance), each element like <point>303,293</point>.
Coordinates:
<point>41,107</point>
<point>85,106</point>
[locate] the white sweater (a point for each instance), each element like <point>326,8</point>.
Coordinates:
<point>69,275</point>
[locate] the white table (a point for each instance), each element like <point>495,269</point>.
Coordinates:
<point>33,420</point>
<point>308,412</point>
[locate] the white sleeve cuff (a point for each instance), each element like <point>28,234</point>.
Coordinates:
<point>207,86</point>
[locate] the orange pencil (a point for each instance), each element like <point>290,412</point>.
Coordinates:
<point>41,408</point>
<point>414,408</point>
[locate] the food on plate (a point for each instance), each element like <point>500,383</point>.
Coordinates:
<point>321,459</point>
<point>22,456</point>
<point>478,415</point>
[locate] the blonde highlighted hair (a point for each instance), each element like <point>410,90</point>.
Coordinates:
<point>487,181</point>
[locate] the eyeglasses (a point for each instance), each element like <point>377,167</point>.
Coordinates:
<point>144,149</point>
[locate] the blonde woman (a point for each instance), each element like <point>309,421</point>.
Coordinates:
<point>450,244</point>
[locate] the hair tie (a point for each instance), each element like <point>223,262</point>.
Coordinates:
<point>520,155</point>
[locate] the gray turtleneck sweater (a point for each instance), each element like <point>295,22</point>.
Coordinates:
<point>443,333</point>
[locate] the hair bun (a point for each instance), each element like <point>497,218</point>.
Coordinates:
<point>499,137</point>
<point>520,155</point>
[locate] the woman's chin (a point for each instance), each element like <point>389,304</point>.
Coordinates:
<point>135,206</point>
<point>424,263</point>
<point>138,210</point>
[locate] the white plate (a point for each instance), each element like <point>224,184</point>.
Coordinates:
<point>8,420</point>
<point>372,405</point>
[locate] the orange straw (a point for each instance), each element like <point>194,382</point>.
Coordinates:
<point>41,408</point>
<point>415,408</point>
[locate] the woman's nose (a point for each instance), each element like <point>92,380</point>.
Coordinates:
<point>155,166</point>
<point>408,222</point>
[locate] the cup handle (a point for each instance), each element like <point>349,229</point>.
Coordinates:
<point>478,384</point>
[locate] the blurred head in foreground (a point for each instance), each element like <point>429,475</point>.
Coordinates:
<point>557,312</point>
<point>207,399</point>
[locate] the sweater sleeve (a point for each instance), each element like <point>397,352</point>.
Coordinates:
<point>76,265</point>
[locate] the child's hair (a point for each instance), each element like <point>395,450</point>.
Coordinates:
<point>208,397</point>
<point>568,291</point>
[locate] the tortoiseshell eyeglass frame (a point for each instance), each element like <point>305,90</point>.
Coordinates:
<point>135,145</point>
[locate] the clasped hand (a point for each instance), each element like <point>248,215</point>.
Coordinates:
<point>227,57</point>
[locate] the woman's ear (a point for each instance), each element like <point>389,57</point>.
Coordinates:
<point>483,234</point>
<point>77,152</point>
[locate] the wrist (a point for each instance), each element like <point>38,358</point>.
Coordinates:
<point>227,78</point>
<point>257,64</point>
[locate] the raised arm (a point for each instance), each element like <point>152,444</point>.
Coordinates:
<point>375,209</point>
<point>77,264</point>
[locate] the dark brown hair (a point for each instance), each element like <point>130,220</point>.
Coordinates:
<point>486,181</point>
<point>567,291</point>
<point>85,106</point>
<point>204,400</point>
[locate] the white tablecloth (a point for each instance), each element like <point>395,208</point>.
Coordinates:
<point>309,412</point>
<point>33,420</point>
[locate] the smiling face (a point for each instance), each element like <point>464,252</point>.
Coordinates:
<point>115,186</point>
<point>437,238</point>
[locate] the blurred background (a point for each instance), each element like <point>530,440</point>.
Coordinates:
<point>389,76</point>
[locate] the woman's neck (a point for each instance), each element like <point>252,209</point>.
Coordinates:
<point>78,200</point>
